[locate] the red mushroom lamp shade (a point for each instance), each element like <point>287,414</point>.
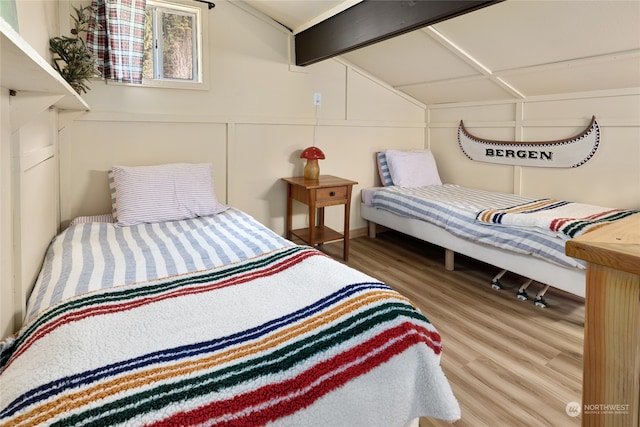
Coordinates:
<point>312,169</point>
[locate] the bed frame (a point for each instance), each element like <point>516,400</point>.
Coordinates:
<point>571,280</point>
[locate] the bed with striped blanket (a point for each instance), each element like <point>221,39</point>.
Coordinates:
<point>455,208</point>
<point>94,255</point>
<point>449,215</point>
<point>236,326</point>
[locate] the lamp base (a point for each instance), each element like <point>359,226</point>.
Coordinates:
<point>312,169</point>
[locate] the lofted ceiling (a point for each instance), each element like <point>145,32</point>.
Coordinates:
<point>510,50</point>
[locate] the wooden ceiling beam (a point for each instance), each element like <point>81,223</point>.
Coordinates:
<point>371,21</point>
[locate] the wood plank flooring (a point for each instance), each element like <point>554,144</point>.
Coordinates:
<point>509,363</point>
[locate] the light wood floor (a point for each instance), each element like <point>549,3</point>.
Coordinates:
<point>509,363</point>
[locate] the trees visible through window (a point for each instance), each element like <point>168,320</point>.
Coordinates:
<point>171,43</point>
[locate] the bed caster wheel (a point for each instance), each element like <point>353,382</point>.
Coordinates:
<point>522,295</point>
<point>496,284</point>
<point>540,302</point>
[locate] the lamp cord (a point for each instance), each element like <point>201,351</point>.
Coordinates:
<point>315,127</point>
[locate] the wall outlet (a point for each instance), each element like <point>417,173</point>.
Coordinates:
<point>317,98</point>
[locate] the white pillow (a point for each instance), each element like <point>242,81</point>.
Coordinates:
<point>168,192</point>
<point>413,168</point>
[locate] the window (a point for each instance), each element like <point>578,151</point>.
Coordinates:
<point>173,45</point>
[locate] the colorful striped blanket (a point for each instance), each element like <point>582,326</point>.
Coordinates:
<point>290,337</point>
<point>564,219</point>
<point>455,209</point>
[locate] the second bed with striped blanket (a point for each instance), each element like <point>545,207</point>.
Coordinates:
<point>455,209</point>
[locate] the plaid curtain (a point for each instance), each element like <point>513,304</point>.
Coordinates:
<point>117,38</point>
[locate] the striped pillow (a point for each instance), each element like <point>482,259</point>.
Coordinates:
<point>383,169</point>
<point>108,218</point>
<point>112,191</point>
<point>168,192</point>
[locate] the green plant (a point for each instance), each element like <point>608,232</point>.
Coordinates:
<point>71,57</point>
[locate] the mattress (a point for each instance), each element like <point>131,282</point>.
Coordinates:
<point>454,208</point>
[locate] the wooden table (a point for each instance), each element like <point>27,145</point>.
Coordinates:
<point>317,194</point>
<point>611,372</point>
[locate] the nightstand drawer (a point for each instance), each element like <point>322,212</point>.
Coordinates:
<point>331,193</point>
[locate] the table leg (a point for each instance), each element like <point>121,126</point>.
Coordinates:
<point>320,217</point>
<point>289,212</point>
<point>611,358</point>
<point>320,220</point>
<point>347,213</point>
<point>312,223</point>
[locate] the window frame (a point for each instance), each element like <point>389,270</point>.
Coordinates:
<point>158,51</point>
<point>202,49</point>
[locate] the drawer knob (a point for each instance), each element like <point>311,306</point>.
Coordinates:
<point>333,193</point>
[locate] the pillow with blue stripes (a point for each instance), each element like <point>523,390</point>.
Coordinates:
<point>383,169</point>
<point>168,192</point>
<point>112,192</point>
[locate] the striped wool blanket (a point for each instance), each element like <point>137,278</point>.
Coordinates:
<point>96,255</point>
<point>564,219</point>
<point>290,337</point>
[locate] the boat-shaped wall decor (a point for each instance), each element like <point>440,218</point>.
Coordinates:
<point>564,153</point>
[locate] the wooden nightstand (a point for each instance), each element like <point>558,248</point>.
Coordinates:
<point>317,194</point>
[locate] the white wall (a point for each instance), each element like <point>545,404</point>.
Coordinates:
<point>37,22</point>
<point>6,220</point>
<point>611,178</point>
<point>252,124</point>
<point>29,214</point>
<point>28,170</point>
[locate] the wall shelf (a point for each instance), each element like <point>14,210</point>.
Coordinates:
<point>22,69</point>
